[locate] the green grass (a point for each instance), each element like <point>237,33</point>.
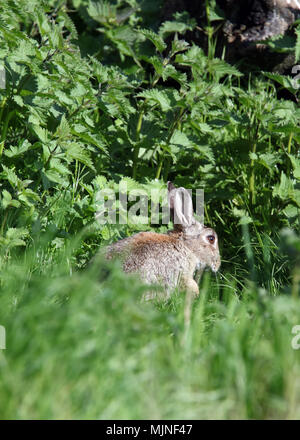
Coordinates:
<point>83,345</point>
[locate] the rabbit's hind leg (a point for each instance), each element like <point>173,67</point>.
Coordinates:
<point>190,285</point>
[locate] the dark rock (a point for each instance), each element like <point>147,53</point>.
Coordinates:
<point>247,23</point>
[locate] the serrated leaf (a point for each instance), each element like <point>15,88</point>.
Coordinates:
<point>63,130</point>
<point>155,95</point>
<point>245,219</point>
<point>220,68</point>
<point>16,233</point>
<point>6,199</point>
<point>179,46</point>
<point>296,165</point>
<point>42,133</point>
<point>130,183</point>
<point>19,150</point>
<point>285,81</point>
<point>285,189</point>
<point>291,211</point>
<point>53,176</point>
<point>180,138</point>
<point>155,39</point>
<point>77,152</point>
<point>102,11</point>
<point>169,71</point>
<point>181,23</point>
<point>98,140</point>
<point>11,176</point>
<point>269,160</point>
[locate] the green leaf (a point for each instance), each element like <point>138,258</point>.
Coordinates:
<point>284,190</point>
<point>169,71</point>
<point>296,166</point>
<point>285,81</point>
<point>155,39</point>
<point>53,176</point>
<point>220,68</point>
<point>63,130</point>
<point>180,138</point>
<point>157,96</point>
<point>242,214</point>
<point>23,146</point>
<point>181,24</point>
<point>6,197</point>
<point>179,46</point>
<point>14,237</point>
<point>76,151</point>
<point>95,139</point>
<point>269,160</point>
<point>11,176</point>
<point>102,11</point>
<point>42,133</point>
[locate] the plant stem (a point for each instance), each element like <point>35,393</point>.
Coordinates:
<point>155,80</point>
<point>4,222</point>
<point>252,177</point>
<point>137,132</point>
<point>289,149</point>
<point>290,143</point>
<point>175,125</point>
<point>296,281</point>
<point>5,127</point>
<point>2,107</point>
<point>159,166</point>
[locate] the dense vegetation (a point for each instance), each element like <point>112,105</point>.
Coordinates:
<point>99,92</point>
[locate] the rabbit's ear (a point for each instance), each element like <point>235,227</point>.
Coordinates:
<point>181,206</point>
<point>171,186</point>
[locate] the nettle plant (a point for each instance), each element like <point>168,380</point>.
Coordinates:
<point>120,99</point>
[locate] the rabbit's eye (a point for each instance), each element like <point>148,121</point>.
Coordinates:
<point>211,238</point>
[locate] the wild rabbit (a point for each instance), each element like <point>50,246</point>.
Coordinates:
<point>171,259</point>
